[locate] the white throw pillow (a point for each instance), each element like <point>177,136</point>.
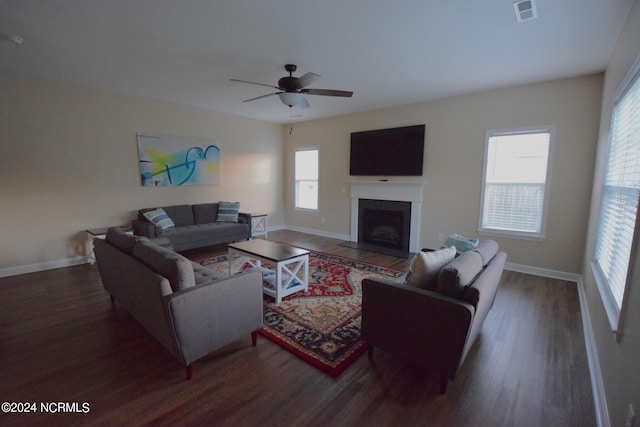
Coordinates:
<point>426,266</point>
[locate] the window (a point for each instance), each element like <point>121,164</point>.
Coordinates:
<point>516,175</point>
<point>619,202</point>
<point>306,178</point>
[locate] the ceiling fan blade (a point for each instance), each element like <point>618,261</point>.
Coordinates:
<point>306,80</point>
<point>328,92</point>
<point>254,83</point>
<point>261,96</point>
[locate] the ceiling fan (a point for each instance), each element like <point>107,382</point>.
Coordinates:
<point>291,90</point>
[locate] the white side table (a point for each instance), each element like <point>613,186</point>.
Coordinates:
<point>96,233</point>
<point>258,225</point>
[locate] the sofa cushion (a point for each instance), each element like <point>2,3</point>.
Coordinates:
<point>459,273</point>
<point>180,214</point>
<point>228,211</point>
<point>487,249</point>
<point>123,240</point>
<point>204,275</point>
<point>205,213</point>
<point>176,268</point>
<point>160,218</point>
<point>425,267</point>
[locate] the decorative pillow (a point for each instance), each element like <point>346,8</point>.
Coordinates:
<point>181,215</point>
<point>160,218</point>
<point>461,243</point>
<point>228,211</point>
<point>425,267</point>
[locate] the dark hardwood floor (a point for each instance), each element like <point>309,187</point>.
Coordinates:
<point>63,341</point>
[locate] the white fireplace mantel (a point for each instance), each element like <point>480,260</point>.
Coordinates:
<point>389,190</point>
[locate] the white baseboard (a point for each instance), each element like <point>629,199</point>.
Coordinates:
<point>597,385</point>
<point>41,266</point>
<point>543,272</point>
<point>315,232</point>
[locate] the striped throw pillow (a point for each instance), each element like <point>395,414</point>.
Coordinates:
<point>228,211</point>
<point>160,218</point>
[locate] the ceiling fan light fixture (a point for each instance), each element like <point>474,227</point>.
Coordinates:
<point>291,98</point>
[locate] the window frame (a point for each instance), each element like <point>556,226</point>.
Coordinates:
<point>615,313</point>
<point>537,236</point>
<point>296,181</point>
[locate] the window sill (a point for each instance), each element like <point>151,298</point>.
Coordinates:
<point>512,234</point>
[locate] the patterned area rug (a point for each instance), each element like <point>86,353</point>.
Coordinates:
<point>322,327</point>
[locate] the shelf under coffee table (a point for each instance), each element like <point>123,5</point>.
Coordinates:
<point>290,265</point>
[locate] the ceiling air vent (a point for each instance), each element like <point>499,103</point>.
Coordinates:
<point>525,10</point>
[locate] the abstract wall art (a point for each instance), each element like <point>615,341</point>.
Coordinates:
<point>177,161</point>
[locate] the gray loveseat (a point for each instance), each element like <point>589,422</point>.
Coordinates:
<point>434,323</point>
<point>189,309</point>
<point>196,226</point>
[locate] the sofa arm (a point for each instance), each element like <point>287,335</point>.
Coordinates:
<point>144,228</point>
<point>207,317</point>
<point>245,218</point>
<point>423,326</point>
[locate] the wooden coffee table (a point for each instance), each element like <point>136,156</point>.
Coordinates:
<point>290,265</point>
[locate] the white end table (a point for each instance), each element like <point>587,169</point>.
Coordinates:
<point>97,233</point>
<point>259,225</point>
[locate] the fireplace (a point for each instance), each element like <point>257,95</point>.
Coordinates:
<point>385,223</point>
<point>388,192</point>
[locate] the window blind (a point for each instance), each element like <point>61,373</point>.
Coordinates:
<point>306,178</point>
<point>620,194</point>
<point>514,181</point>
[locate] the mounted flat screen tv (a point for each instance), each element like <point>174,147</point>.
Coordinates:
<point>388,152</point>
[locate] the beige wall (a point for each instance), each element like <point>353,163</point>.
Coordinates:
<point>618,361</point>
<point>454,163</point>
<point>68,161</point>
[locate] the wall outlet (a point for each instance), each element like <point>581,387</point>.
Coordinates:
<point>631,416</point>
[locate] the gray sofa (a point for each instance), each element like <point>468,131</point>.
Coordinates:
<point>434,323</point>
<point>196,226</point>
<point>189,309</point>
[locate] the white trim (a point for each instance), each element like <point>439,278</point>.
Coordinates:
<point>551,130</point>
<point>315,232</point>
<point>42,266</point>
<point>615,312</point>
<point>389,190</point>
<point>608,302</point>
<point>542,272</point>
<point>625,85</point>
<point>597,385</point>
<point>296,150</point>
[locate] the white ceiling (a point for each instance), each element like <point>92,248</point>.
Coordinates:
<point>387,52</point>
